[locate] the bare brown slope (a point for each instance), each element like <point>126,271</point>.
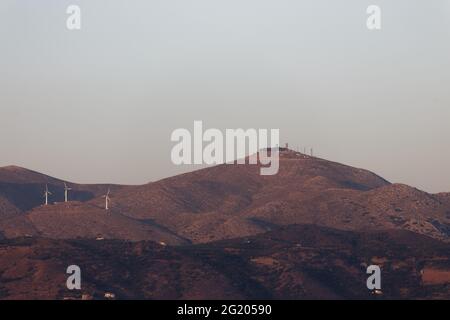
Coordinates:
<point>235,200</point>
<point>216,203</point>
<point>7,208</point>
<point>388,207</point>
<point>15,174</point>
<point>445,198</point>
<point>231,188</point>
<point>79,220</point>
<point>17,226</point>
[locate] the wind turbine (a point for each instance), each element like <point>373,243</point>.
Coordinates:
<point>46,194</point>
<point>107,199</point>
<point>66,189</point>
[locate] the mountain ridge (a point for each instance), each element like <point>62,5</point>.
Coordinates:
<point>228,201</point>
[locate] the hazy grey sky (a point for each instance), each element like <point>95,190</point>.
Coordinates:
<point>99,104</point>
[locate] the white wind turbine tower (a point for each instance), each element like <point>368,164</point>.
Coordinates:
<point>66,189</point>
<point>107,199</point>
<point>46,194</point>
